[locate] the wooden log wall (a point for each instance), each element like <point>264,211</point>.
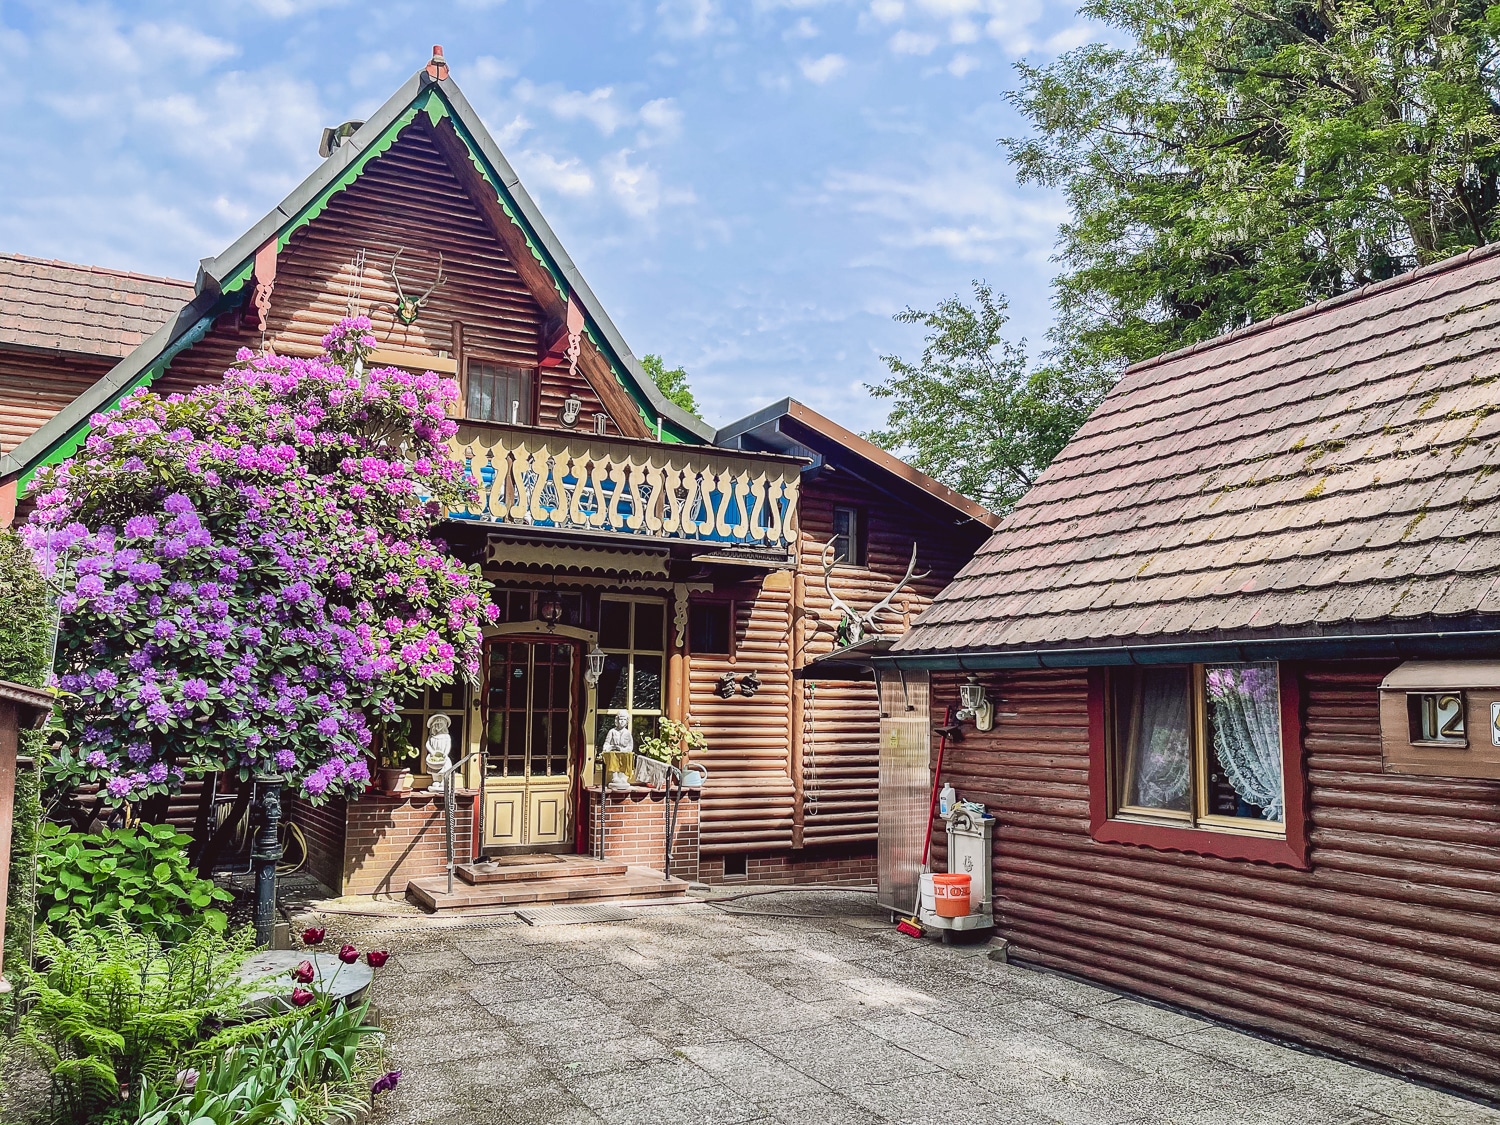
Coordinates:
<point>409,199</point>
<point>1386,951</point>
<point>35,385</point>
<point>749,802</point>
<point>840,721</point>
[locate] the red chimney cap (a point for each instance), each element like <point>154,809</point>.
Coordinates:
<point>437,50</point>
<point>438,66</point>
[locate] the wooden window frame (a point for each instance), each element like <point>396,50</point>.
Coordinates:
<point>728,604</point>
<point>533,406</point>
<point>861,535</point>
<point>1211,836</point>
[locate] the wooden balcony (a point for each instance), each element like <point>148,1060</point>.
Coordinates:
<point>531,477</point>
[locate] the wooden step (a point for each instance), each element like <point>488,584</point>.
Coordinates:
<point>634,884</point>
<point>525,868</point>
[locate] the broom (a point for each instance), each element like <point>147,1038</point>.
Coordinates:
<point>911,926</point>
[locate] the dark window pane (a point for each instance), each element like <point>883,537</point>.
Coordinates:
<point>614,624</point>
<point>650,627</point>
<point>614,688</point>
<point>647,695</point>
<point>517,701</point>
<point>572,609</point>
<point>847,547</point>
<point>519,606</point>
<point>1153,750</point>
<point>708,629</point>
<point>643,727</point>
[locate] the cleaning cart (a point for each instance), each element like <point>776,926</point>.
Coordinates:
<point>970,842</point>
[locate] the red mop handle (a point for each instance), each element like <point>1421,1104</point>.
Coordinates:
<point>937,780</point>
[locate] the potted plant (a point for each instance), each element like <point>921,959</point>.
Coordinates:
<point>668,748</point>
<point>396,751</point>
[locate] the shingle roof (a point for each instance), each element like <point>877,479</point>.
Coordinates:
<point>1326,472</point>
<point>86,310</point>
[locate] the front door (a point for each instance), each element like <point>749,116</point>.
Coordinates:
<point>529,735</point>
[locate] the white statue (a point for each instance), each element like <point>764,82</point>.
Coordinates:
<point>618,741</point>
<point>439,743</point>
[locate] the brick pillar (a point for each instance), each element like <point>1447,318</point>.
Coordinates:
<point>635,830</point>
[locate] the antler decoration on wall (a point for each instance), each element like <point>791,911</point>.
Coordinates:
<point>853,626</point>
<point>408,308</point>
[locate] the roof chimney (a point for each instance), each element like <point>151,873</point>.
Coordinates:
<point>438,66</point>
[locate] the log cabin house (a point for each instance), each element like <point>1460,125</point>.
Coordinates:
<point>704,610</point>
<point>1242,640</point>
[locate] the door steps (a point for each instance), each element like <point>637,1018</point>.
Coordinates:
<point>551,880</point>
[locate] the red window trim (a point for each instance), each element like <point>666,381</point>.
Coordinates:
<point>1288,852</point>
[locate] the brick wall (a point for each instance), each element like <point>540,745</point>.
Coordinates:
<point>839,867</point>
<point>378,844</point>
<point>635,830</point>
<point>323,828</point>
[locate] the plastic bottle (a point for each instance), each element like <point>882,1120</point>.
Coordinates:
<point>946,797</point>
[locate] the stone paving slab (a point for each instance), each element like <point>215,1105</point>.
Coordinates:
<point>693,1014</point>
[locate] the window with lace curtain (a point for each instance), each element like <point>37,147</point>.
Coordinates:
<point>1197,746</point>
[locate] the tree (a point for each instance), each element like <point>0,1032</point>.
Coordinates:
<point>673,383</point>
<point>252,578</point>
<point>1245,157</point>
<point>969,413</point>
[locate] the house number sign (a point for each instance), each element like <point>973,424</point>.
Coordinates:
<point>1440,717</point>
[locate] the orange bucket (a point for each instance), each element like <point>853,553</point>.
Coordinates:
<point>951,895</point>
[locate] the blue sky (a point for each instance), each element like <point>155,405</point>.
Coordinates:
<point>752,188</point>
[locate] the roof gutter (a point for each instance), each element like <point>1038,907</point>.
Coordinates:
<point>1438,644</point>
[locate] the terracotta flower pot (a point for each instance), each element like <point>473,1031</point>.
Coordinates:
<point>395,781</point>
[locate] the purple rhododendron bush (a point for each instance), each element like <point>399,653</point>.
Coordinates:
<point>253,581</point>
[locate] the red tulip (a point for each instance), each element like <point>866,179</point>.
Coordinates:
<point>313,935</point>
<point>301,997</point>
<point>377,958</point>
<point>348,955</point>
<point>303,973</point>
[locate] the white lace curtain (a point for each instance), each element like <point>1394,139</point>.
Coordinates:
<point>1160,759</point>
<point>1245,713</point>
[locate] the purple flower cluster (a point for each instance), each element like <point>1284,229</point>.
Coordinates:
<point>253,578</point>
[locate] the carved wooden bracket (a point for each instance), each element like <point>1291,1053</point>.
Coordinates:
<point>265,280</point>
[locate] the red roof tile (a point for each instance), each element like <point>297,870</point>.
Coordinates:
<point>84,310</point>
<point>1328,467</point>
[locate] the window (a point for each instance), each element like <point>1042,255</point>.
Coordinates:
<point>498,393</point>
<point>633,635</point>
<point>848,536</point>
<point>520,606</point>
<point>450,700</point>
<point>709,628</point>
<point>1198,746</point>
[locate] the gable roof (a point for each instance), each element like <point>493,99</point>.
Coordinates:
<point>1328,473</point>
<point>223,280</point>
<point>790,427</point>
<point>49,306</point>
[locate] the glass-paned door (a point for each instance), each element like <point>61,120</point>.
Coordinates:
<point>528,740</point>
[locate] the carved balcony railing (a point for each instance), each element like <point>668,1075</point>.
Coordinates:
<point>539,478</point>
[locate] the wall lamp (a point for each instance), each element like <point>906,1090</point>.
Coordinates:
<point>594,665</point>
<point>976,705</point>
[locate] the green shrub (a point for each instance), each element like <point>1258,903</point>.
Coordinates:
<point>314,1068</point>
<point>140,873</point>
<point>26,614</point>
<point>115,1007</point>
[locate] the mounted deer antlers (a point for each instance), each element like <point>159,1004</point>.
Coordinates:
<point>853,625</point>
<point>408,308</point>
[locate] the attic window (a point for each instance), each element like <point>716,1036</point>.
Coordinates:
<point>499,394</point>
<point>848,536</point>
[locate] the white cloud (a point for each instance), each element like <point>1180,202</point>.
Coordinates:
<point>662,116</point>
<point>961,205</point>
<point>567,176</point>
<point>913,43</point>
<point>637,188</point>
<point>804,28</point>
<point>887,11</point>
<point>598,106</point>
<point>963,31</point>
<point>824,69</point>
<point>962,63</point>
<point>692,19</point>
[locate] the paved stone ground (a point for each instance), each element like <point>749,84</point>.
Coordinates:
<point>689,1014</point>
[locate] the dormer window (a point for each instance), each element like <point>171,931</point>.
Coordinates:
<point>500,394</point>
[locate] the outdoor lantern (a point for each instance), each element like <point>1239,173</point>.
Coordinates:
<point>549,607</point>
<point>594,667</point>
<point>976,705</point>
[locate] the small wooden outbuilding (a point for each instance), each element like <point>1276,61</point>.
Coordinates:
<point>21,708</point>
<point>1241,642</point>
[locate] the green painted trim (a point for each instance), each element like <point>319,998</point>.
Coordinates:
<point>71,445</point>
